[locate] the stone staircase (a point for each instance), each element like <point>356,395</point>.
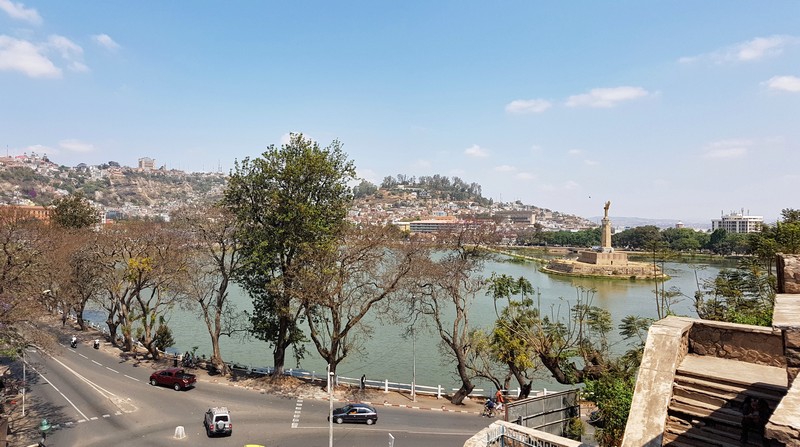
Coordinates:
<point>707,395</point>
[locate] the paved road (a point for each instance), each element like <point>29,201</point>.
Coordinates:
<point>94,399</point>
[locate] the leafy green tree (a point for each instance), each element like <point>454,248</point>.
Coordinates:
<point>291,200</point>
<point>73,211</point>
<point>163,337</point>
<point>612,393</point>
<point>743,295</point>
<point>507,347</point>
<point>637,238</point>
<point>363,189</point>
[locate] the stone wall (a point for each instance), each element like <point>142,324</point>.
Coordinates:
<point>753,344</point>
<point>631,269</point>
<point>788,267</point>
<point>603,258</point>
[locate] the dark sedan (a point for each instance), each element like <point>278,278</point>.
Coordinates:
<point>355,413</point>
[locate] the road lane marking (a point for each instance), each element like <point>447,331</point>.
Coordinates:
<point>82,355</point>
<point>132,378</point>
<point>297,409</point>
<point>59,391</point>
<point>97,363</point>
<point>112,370</point>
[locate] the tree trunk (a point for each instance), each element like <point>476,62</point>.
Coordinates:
<point>466,383</point>
<point>458,397</point>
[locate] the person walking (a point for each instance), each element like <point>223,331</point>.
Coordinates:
<point>363,382</point>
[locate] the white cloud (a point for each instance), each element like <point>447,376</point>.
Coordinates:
<point>727,149</point>
<point>368,175</point>
<point>25,57</point>
<point>76,145</point>
<point>591,162</point>
<point>520,106</point>
<point>759,47</point>
<point>525,176</point>
<point>570,185</point>
<point>752,50</point>
<point>785,83</point>
<point>505,168</point>
<point>71,52</point>
<point>606,97</point>
<point>574,152</point>
<point>105,41</point>
<point>476,151</point>
<point>18,11</point>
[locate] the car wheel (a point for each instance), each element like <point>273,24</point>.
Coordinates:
<point>177,387</point>
<point>370,421</point>
<point>153,382</point>
<point>339,420</point>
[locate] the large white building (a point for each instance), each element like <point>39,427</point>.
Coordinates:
<point>738,223</point>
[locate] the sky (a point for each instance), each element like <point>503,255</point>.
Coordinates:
<point>681,110</point>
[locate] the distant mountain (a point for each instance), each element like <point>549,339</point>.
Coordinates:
<point>632,222</point>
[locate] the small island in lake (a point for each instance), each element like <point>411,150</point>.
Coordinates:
<point>604,261</point>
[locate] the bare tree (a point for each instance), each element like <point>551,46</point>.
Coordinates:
<point>366,274</point>
<point>144,267</point>
<point>23,250</point>
<point>447,284</point>
<point>214,258</point>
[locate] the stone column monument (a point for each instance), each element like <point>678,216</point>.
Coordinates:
<point>605,235</point>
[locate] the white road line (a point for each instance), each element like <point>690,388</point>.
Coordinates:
<point>112,370</point>
<point>97,363</point>
<point>82,355</point>
<point>132,378</point>
<point>297,409</point>
<point>59,391</point>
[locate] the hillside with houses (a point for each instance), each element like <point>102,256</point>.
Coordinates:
<point>153,193</point>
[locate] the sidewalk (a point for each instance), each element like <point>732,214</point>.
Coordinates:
<point>290,387</point>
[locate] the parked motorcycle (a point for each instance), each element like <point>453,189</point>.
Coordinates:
<point>96,344</point>
<point>74,342</point>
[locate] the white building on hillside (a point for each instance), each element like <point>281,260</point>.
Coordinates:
<point>738,223</point>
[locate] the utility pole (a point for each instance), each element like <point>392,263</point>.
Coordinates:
<point>330,407</point>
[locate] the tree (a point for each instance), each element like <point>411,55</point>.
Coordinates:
<point>363,189</point>
<point>73,211</point>
<point>506,346</point>
<point>287,203</point>
<point>446,287</point>
<point>23,249</point>
<point>367,273</point>
<point>214,258</point>
<point>744,295</point>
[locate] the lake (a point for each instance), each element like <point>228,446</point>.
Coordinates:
<point>387,354</point>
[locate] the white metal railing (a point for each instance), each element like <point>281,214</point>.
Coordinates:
<point>383,384</point>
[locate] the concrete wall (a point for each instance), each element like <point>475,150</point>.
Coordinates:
<point>666,346</point>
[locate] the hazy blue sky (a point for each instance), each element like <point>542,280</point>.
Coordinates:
<point>671,109</point>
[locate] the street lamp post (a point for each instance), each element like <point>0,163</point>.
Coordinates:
<point>330,407</point>
<point>24,379</point>
<point>413,366</point>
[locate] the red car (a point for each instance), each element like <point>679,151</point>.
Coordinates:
<point>176,378</point>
